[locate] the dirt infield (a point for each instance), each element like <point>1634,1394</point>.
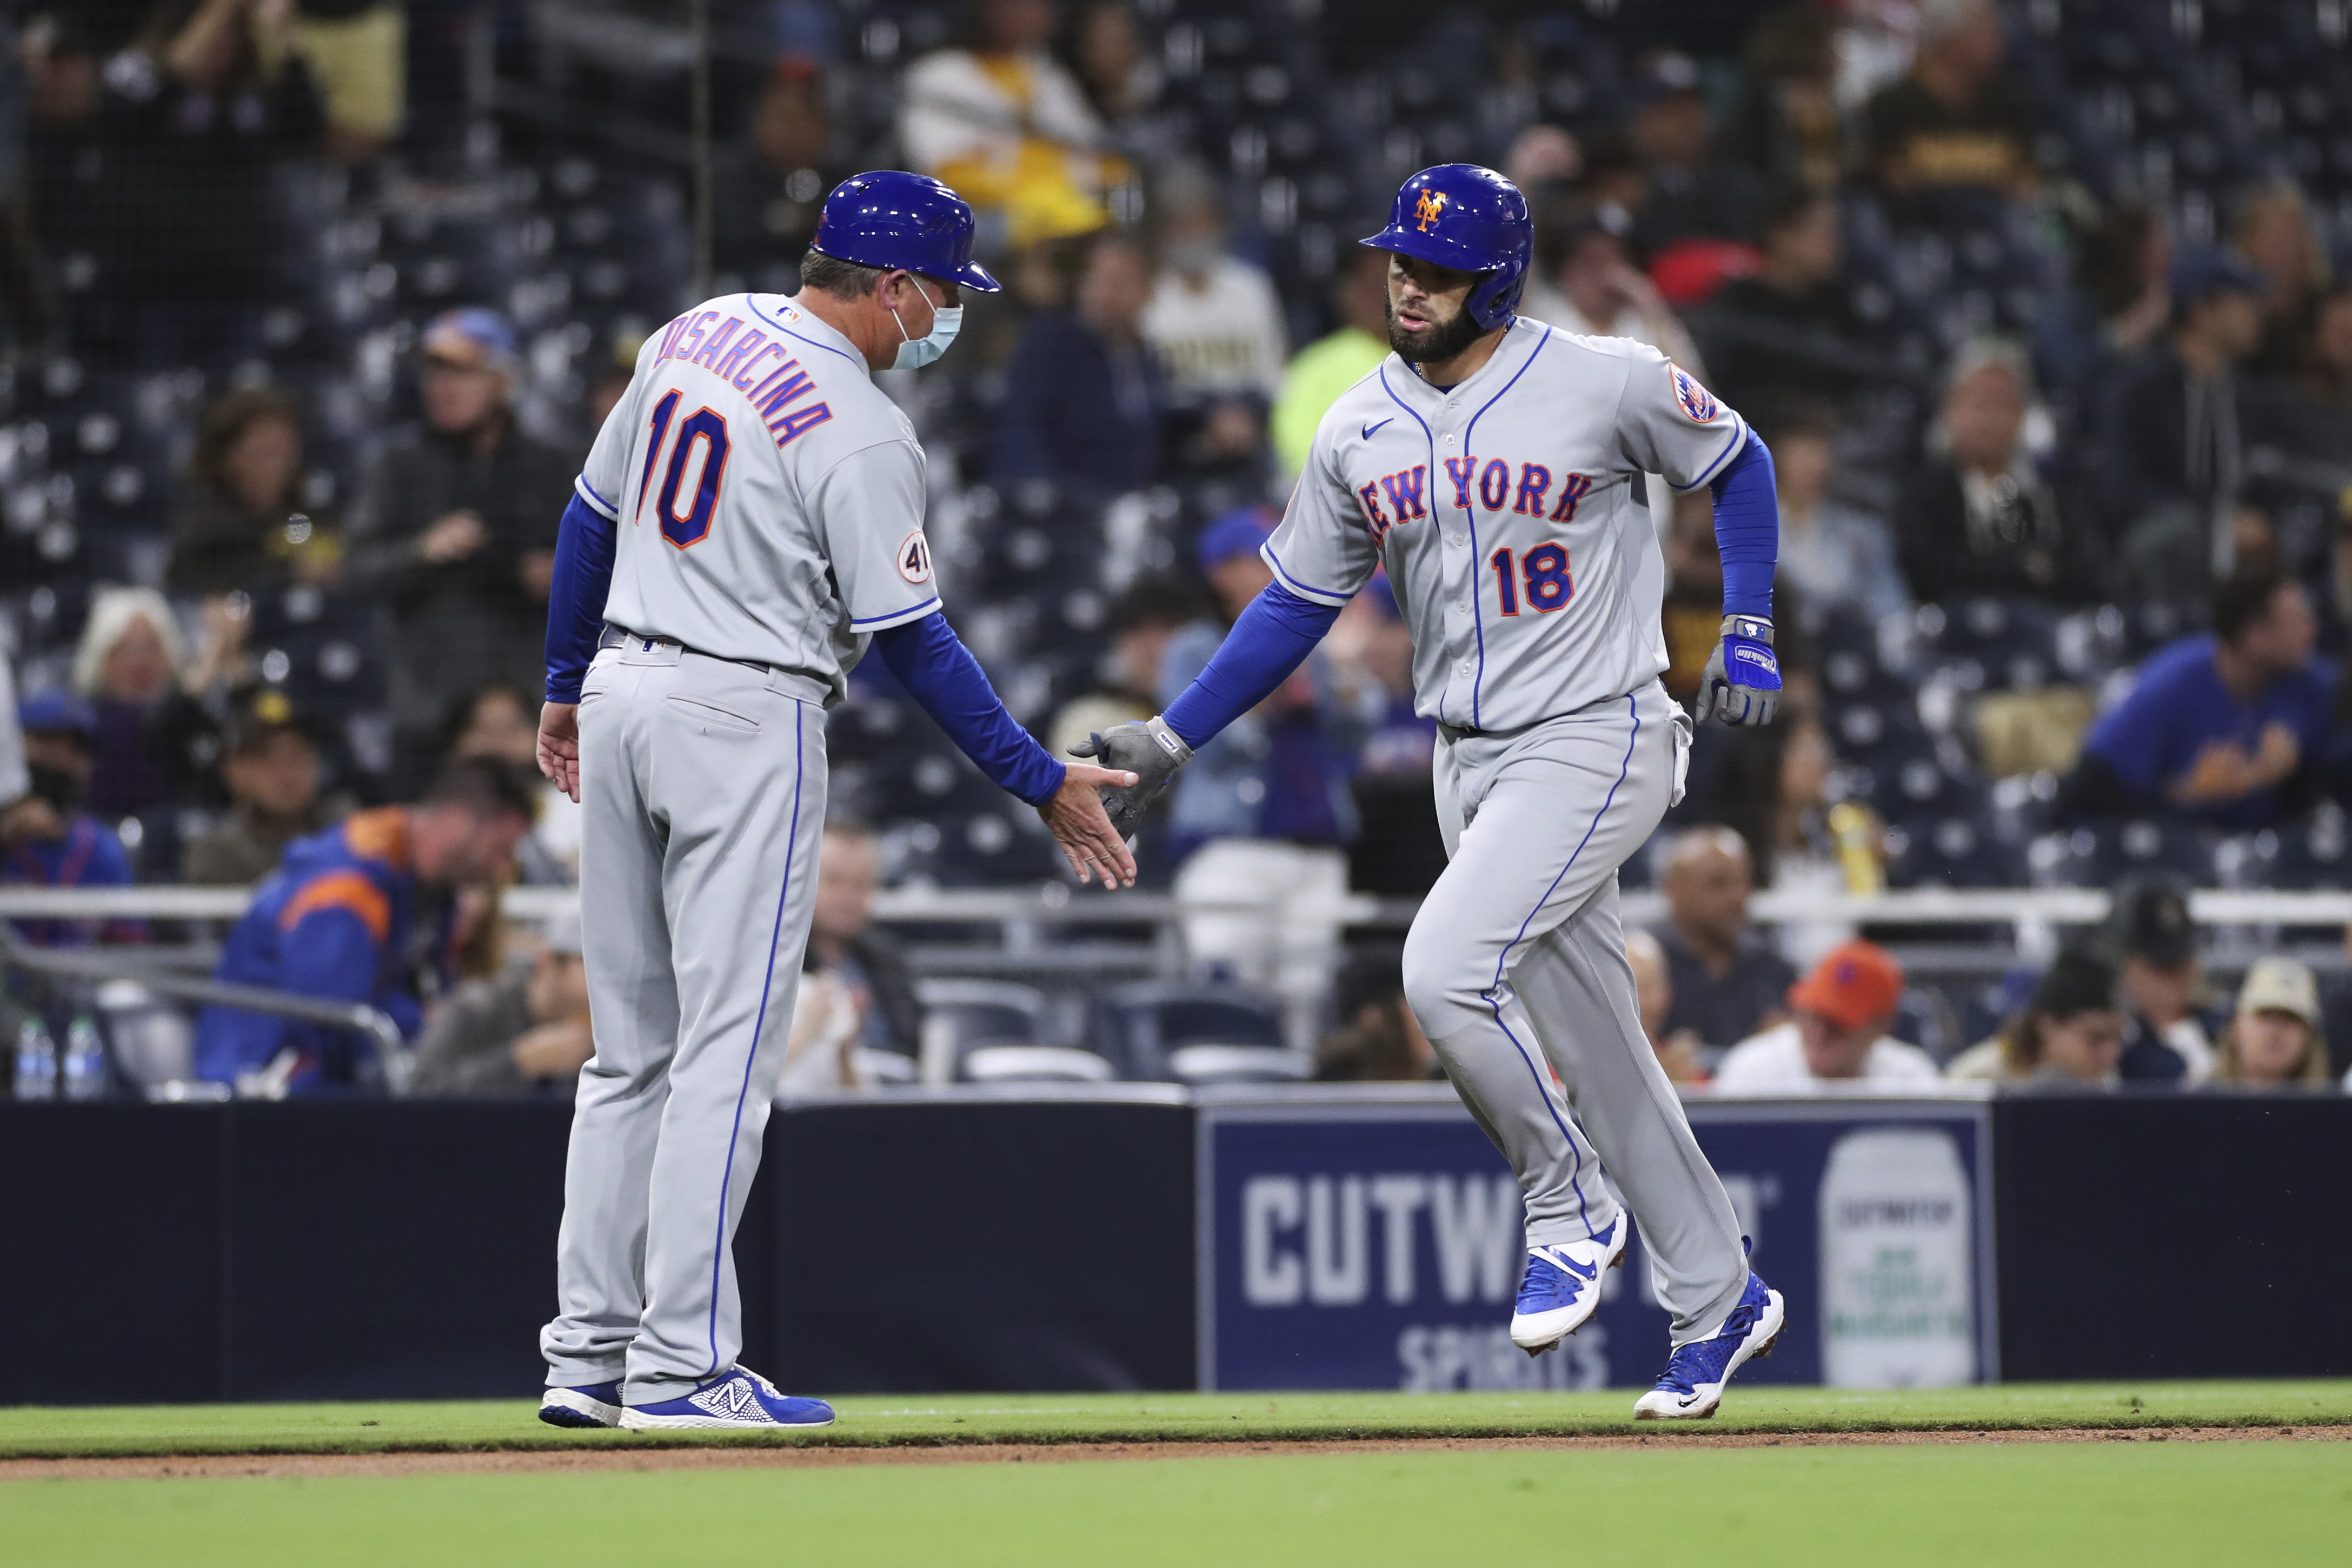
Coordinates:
<point>541,1461</point>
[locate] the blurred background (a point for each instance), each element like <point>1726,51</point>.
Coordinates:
<point>311,307</point>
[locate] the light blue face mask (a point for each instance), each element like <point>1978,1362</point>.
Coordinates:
<point>916,353</point>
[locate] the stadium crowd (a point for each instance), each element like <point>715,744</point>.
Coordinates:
<point>312,305</point>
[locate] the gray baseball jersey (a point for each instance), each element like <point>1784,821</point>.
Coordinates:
<point>1509,510</point>
<point>768,506</point>
<point>769,497</point>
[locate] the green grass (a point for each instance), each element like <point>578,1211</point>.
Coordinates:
<point>902,1419</point>
<point>2150,1505</point>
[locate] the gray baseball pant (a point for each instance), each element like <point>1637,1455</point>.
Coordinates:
<point>703,789</point>
<point>1515,969</point>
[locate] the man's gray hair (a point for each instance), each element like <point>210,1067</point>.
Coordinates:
<point>842,279</point>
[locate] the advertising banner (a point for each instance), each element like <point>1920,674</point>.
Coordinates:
<point>1374,1241</point>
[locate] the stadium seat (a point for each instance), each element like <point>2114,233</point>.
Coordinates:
<point>1142,1028</point>
<point>962,1015</point>
<point>1953,852</point>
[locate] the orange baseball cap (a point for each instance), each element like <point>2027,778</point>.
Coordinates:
<point>1854,982</point>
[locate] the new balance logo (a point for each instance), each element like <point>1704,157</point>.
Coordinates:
<point>733,1399</point>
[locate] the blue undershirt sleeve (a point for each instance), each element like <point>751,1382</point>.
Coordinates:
<point>932,662</point>
<point>1271,639</point>
<point>576,599</point>
<point>1748,529</point>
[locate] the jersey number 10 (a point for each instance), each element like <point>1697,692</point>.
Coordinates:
<point>708,427</point>
<point>1544,570</point>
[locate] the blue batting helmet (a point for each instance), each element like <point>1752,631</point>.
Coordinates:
<point>892,219</point>
<point>1470,219</point>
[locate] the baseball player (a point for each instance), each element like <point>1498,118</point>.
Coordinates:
<point>1494,466</point>
<point>750,519</point>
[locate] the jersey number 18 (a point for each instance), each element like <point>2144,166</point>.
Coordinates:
<point>708,427</point>
<point>1543,570</point>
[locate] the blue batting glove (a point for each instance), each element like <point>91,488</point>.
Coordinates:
<point>1742,683</point>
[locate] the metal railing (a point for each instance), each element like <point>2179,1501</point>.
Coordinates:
<point>1054,905</point>
<point>97,964</point>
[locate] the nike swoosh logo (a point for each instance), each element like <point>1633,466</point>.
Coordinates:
<point>1370,428</point>
<point>1686,1404</point>
<point>1578,1269</point>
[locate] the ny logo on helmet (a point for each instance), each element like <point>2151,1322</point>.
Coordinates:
<point>1426,211</point>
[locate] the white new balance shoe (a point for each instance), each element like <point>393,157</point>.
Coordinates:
<point>1562,1287</point>
<point>740,1398</point>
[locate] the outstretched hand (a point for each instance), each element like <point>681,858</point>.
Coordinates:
<point>1075,816</point>
<point>558,745</point>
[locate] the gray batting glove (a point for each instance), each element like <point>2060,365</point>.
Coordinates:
<point>1146,748</point>
<point>1742,683</point>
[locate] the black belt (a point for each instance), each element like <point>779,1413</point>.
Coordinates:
<point>621,636</point>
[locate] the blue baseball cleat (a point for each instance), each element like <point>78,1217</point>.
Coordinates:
<point>738,1398</point>
<point>1692,1385</point>
<point>598,1404</point>
<point>1563,1286</point>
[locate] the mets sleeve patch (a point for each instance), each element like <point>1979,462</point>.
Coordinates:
<point>1697,402</point>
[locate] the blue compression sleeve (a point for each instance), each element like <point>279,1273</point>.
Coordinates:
<point>932,661</point>
<point>1748,529</point>
<point>1273,638</point>
<point>575,600</point>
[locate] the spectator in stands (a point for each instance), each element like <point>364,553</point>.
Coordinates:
<point>1262,814</point>
<point>1839,558</point>
<point>2231,728</point>
<point>2305,412</point>
<point>524,1032</point>
<point>501,721</point>
<point>1214,319</point>
<point>1593,288</point>
<point>1653,989</point>
<point>242,526</point>
<point>1786,127</point>
<point>23,811</point>
<point>2273,1041</point>
<point>2276,236</point>
<point>2069,1035</point>
<point>65,847</point>
<point>1378,1040</point>
<point>154,742</point>
<point>1007,125</point>
<point>1789,331</point>
<point>269,766</point>
<point>1956,120</point>
<point>1978,518</point>
<point>1151,613</point>
<point>2120,300</point>
<point>363,912</point>
<point>2161,978</point>
<point>189,123</point>
<point>1727,982</point>
<point>771,188</point>
<point>1542,160</point>
<point>2174,459</point>
<point>1084,398</point>
<point>455,533</point>
<point>1838,1037</point>
<point>847,946</point>
<point>2336,1014</point>
<point>1690,194</point>
<point>1327,367</point>
<point>358,52</point>
<point>1105,51</point>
